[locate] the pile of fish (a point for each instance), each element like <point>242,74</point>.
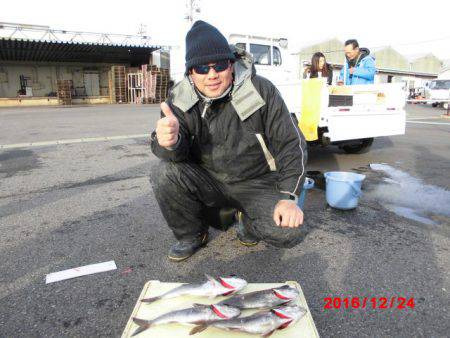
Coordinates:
<point>276,312</point>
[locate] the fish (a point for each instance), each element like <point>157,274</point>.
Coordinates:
<point>223,286</point>
<point>262,299</point>
<point>199,314</point>
<point>263,323</point>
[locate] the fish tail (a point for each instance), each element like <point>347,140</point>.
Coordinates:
<point>150,300</point>
<point>198,328</point>
<point>143,325</point>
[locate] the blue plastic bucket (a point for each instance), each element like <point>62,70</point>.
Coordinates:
<point>343,189</point>
<point>309,184</point>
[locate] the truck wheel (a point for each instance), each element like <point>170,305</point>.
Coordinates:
<point>434,104</point>
<point>360,147</point>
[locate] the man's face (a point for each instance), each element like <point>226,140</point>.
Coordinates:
<point>351,52</point>
<point>214,83</point>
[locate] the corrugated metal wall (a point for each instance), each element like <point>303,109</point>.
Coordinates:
<point>42,77</point>
<point>389,58</point>
<point>427,64</point>
<point>332,49</point>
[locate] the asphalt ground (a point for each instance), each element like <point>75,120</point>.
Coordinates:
<point>64,206</point>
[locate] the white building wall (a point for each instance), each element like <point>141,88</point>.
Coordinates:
<point>43,77</point>
<point>445,74</point>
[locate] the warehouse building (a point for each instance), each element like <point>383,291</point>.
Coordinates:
<point>42,66</point>
<point>445,72</point>
<point>392,66</point>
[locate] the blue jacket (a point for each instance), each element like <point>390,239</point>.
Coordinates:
<point>364,72</point>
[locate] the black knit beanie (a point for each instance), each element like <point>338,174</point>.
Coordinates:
<point>204,43</point>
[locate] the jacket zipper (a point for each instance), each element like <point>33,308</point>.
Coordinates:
<point>207,105</point>
<point>205,108</point>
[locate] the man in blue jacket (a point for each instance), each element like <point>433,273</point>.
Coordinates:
<point>360,65</point>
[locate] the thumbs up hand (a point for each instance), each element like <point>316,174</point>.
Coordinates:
<point>167,127</point>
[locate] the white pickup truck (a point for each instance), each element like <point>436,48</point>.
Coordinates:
<point>349,121</point>
<point>365,112</point>
<point>438,92</point>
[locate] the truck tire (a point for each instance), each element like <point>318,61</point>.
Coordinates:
<point>360,147</point>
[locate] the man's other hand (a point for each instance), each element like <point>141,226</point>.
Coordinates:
<point>288,214</point>
<point>351,70</point>
<point>167,127</point>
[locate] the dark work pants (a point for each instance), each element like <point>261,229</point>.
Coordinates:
<point>184,190</point>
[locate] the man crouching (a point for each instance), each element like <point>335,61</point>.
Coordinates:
<point>226,139</point>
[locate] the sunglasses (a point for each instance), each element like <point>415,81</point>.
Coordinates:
<point>218,67</point>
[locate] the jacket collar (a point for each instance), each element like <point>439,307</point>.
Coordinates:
<point>245,98</point>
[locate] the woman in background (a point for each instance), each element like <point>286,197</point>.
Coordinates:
<point>319,68</point>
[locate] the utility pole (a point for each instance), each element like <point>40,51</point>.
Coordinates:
<point>142,30</point>
<point>193,9</point>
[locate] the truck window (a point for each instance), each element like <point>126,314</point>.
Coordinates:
<point>440,84</point>
<point>261,54</point>
<point>240,45</point>
<point>276,56</point>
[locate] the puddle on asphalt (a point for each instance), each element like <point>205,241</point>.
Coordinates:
<point>411,214</point>
<point>409,197</point>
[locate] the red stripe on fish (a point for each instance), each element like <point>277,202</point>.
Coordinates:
<point>281,314</point>
<point>285,325</point>
<point>279,295</point>
<point>228,286</point>
<point>217,312</point>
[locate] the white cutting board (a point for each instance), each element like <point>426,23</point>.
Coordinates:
<point>303,328</point>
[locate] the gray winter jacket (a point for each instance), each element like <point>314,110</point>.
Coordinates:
<point>245,135</point>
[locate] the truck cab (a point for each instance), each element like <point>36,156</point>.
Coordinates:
<point>273,61</point>
<point>270,56</point>
<point>438,92</point>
